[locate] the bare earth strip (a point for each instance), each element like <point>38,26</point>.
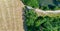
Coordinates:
<point>48,13</point>
<point>44,13</point>
<point>11,15</point>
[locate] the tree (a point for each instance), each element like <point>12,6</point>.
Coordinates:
<point>56,8</point>
<point>30,17</point>
<point>32,3</point>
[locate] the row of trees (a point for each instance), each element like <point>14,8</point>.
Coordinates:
<point>36,4</point>
<point>46,23</point>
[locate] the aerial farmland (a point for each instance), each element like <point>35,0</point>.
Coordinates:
<point>29,15</point>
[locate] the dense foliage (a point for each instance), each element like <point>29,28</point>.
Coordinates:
<point>43,4</point>
<point>32,3</point>
<point>30,17</point>
<point>35,23</point>
<point>51,24</point>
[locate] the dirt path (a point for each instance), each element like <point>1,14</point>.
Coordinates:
<point>11,15</point>
<point>48,12</point>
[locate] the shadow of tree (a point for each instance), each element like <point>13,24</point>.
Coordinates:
<point>24,21</point>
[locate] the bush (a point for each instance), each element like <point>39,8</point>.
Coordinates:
<point>30,17</point>
<point>57,8</point>
<point>32,3</point>
<point>45,8</point>
<point>51,24</point>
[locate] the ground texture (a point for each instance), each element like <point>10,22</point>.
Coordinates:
<point>11,15</point>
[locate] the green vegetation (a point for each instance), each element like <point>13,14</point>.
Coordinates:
<point>44,7</point>
<point>43,4</point>
<point>30,17</point>
<point>35,23</point>
<point>58,0</point>
<point>32,3</point>
<point>51,24</point>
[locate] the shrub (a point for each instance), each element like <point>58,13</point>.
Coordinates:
<point>30,17</point>
<point>56,8</point>
<point>51,24</point>
<point>32,3</point>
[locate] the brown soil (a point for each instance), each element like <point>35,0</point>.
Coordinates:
<point>11,15</point>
